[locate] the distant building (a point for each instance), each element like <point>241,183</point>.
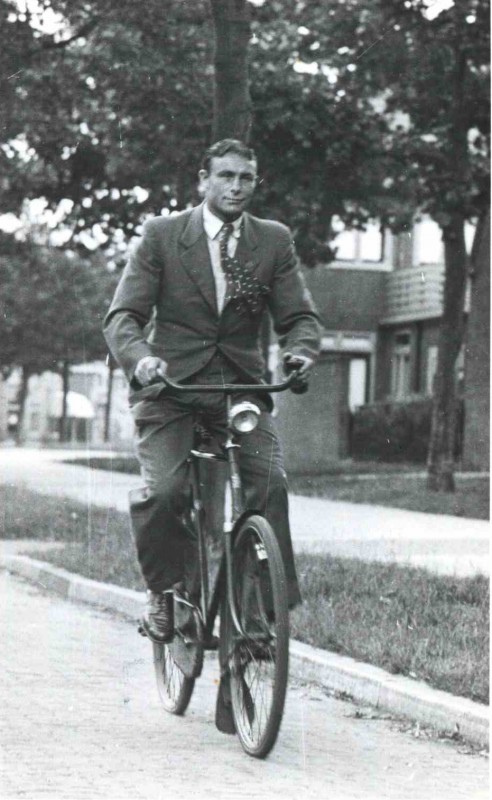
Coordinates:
<point>86,407</point>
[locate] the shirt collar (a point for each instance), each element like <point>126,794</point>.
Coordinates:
<point>213,225</point>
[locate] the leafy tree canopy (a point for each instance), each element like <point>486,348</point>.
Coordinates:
<point>354,109</point>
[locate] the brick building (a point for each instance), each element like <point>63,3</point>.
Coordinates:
<point>380,303</point>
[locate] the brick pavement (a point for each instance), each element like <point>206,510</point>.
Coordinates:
<point>81,719</point>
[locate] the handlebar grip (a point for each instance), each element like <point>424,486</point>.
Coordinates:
<point>301,389</point>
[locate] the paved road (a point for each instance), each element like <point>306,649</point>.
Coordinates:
<point>81,720</point>
<point>445,544</point>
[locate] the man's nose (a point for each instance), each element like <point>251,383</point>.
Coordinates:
<point>236,184</point>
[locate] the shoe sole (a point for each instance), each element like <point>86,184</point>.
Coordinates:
<point>156,638</point>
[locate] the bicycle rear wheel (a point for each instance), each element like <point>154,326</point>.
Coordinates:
<point>258,656</point>
<point>179,663</point>
<point>174,688</point>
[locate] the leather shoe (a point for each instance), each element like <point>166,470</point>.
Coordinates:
<point>158,617</point>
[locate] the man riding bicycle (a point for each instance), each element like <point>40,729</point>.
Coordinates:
<point>205,277</point>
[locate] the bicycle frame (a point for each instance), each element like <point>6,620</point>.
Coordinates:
<point>231,447</point>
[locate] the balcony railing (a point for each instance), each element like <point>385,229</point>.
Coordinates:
<point>414,293</point>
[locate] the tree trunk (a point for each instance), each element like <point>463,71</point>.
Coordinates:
<point>21,399</point>
<point>440,461</point>
<point>109,397</point>
<point>232,102</point>
<point>476,447</point>
<point>232,119</point>
<point>64,415</point>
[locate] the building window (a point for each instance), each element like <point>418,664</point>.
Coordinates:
<point>431,368</point>
<point>400,366</point>
<point>428,246</point>
<point>355,245</point>
<point>358,382</point>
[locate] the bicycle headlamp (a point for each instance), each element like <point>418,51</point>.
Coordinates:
<point>243,417</point>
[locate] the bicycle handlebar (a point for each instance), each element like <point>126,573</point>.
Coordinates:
<point>231,388</point>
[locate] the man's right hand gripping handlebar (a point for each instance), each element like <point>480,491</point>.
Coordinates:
<point>149,369</point>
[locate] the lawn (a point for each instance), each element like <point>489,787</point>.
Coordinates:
<point>404,620</point>
<point>399,490</point>
<point>374,483</point>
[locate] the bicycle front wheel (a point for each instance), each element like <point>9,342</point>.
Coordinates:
<point>258,654</point>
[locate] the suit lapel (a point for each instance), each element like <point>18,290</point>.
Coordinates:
<point>195,257</point>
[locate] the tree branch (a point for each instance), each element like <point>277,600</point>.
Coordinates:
<point>85,30</point>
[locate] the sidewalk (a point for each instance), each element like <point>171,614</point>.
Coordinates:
<point>81,720</point>
<point>444,544</point>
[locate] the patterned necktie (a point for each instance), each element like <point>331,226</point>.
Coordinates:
<point>242,288</point>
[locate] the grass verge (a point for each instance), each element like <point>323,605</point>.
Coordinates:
<point>396,486</point>
<point>402,619</point>
<point>398,490</point>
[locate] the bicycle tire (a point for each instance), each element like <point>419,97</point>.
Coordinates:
<point>174,688</point>
<point>178,663</point>
<point>258,663</point>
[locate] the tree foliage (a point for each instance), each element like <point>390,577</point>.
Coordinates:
<point>51,308</point>
<point>119,99</point>
<point>125,104</point>
<point>134,95</point>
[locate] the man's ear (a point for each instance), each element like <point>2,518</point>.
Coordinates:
<point>202,183</point>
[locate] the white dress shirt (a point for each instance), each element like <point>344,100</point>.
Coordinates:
<point>213,226</point>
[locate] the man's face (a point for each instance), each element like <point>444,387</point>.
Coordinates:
<point>229,185</point>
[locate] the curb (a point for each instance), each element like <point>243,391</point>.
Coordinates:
<point>361,681</point>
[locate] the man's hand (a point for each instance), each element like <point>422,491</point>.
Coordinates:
<point>149,369</point>
<point>302,364</point>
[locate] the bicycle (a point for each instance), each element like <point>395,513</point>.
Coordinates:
<point>249,592</point>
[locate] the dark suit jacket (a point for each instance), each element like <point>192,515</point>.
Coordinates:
<point>169,278</point>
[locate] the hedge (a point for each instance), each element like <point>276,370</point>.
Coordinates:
<point>395,431</point>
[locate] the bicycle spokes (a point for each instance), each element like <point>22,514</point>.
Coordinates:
<point>258,645</point>
<point>254,670</point>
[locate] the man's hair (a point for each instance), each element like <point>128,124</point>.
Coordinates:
<point>219,149</point>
